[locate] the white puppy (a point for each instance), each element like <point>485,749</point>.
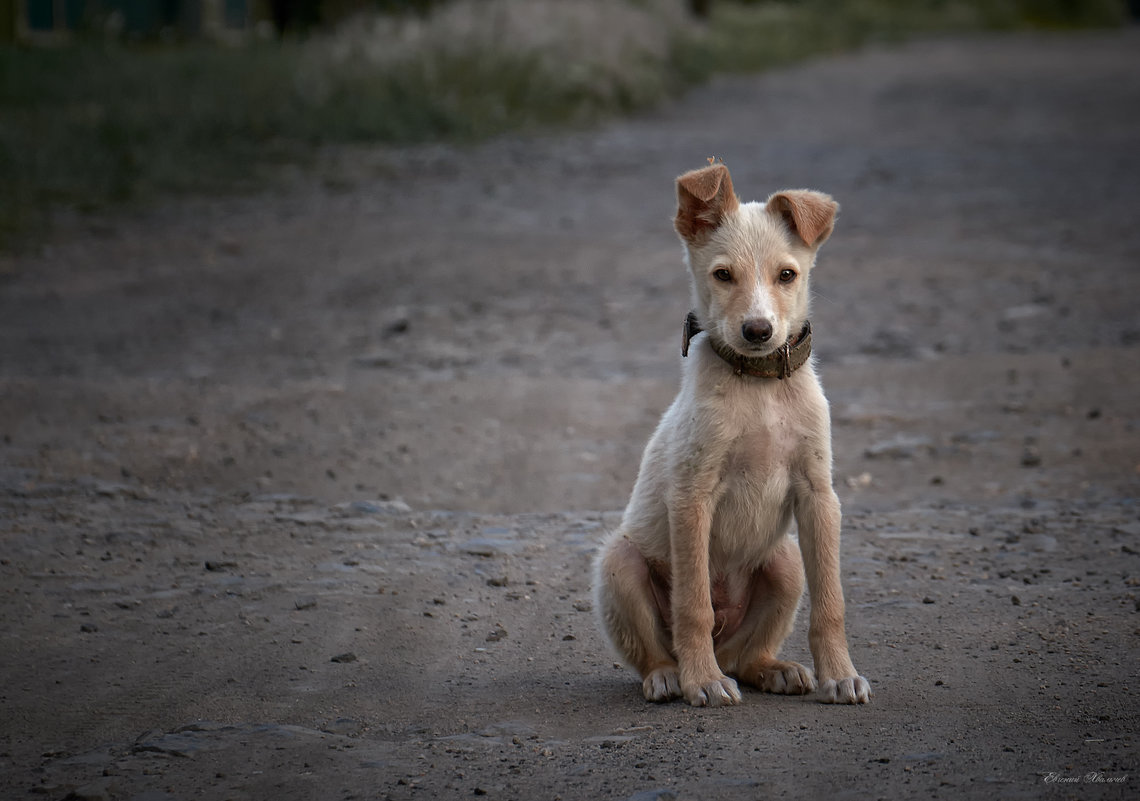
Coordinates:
<point>701,582</point>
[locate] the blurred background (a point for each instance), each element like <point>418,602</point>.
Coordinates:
<point>105,102</point>
<point>422,250</point>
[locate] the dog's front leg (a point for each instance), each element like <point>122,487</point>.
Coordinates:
<point>702,681</point>
<point>818,518</point>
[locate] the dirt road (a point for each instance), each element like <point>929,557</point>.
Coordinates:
<point>298,492</point>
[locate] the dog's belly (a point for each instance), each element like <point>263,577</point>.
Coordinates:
<point>730,594</point>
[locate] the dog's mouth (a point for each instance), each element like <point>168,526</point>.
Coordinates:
<point>758,348</point>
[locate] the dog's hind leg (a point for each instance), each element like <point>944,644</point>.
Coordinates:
<point>750,653</point>
<point>632,619</point>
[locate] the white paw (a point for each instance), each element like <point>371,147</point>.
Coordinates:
<point>851,690</point>
<point>662,684</point>
<point>788,678</point>
<point>718,692</point>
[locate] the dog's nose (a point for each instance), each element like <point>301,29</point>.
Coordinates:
<point>756,330</point>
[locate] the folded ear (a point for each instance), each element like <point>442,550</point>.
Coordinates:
<point>704,197</point>
<point>810,215</point>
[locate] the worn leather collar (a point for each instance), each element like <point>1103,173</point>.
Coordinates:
<point>780,363</point>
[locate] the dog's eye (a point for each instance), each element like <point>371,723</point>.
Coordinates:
<point>722,275</point>
<point>787,276</point>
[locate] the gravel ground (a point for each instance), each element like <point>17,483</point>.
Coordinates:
<point>298,492</point>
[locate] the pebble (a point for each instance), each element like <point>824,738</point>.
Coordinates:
<point>491,546</point>
<point>348,727</point>
<point>308,602</point>
<point>900,447</point>
<point>656,794</point>
<point>99,790</point>
<point>348,656</point>
<point>364,508</point>
<point>1042,543</point>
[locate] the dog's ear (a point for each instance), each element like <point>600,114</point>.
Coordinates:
<point>704,197</point>
<point>807,214</point>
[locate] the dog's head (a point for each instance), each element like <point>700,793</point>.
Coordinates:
<point>750,261</point>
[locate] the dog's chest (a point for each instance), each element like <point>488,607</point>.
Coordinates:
<point>760,452</point>
<point>758,436</point>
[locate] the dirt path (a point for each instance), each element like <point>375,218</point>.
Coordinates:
<point>298,492</point>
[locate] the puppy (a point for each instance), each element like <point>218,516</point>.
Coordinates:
<point>699,586</point>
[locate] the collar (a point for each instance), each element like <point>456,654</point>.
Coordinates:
<point>780,363</point>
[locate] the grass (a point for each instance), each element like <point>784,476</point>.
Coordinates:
<point>99,124</point>
<point>754,36</point>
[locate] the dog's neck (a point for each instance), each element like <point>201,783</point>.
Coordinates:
<point>780,363</point>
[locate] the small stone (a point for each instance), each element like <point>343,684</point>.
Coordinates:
<point>88,628</point>
<point>348,656</point>
<point>347,727</point>
<point>1015,600</point>
<point>655,794</point>
<point>498,634</point>
<point>99,790</point>
<point>900,447</point>
<point>305,603</point>
<point>1128,529</point>
<point>216,565</point>
<point>1042,543</point>
<point>1030,457</point>
<point>397,326</point>
<point>928,600</point>
<point>497,581</point>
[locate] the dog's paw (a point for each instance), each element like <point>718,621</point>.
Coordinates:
<point>786,678</point>
<point>662,684</point>
<point>720,691</point>
<point>850,690</point>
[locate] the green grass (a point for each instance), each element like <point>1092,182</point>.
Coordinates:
<point>754,36</point>
<point>98,125</point>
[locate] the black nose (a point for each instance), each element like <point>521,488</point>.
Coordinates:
<point>756,330</point>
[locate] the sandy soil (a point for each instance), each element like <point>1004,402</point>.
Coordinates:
<point>298,492</point>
